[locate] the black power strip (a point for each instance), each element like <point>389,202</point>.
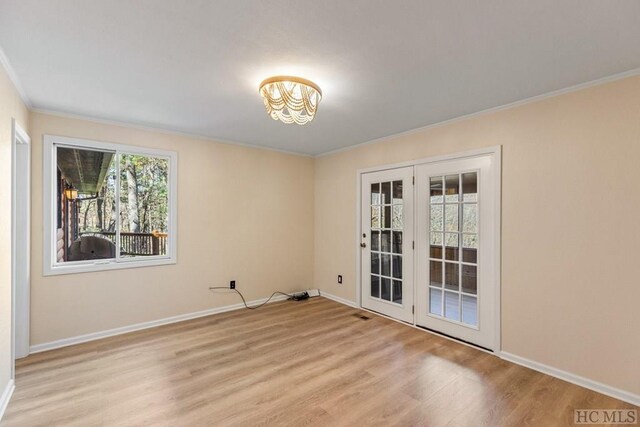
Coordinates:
<point>299,296</point>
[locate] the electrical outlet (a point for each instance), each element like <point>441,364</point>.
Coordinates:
<point>340,279</point>
<point>232,284</point>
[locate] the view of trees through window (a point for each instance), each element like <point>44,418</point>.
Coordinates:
<point>88,212</point>
<point>143,194</point>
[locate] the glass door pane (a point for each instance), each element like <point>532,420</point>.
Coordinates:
<point>386,231</point>
<point>453,247</point>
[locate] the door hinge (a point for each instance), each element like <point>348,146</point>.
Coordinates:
<point>414,180</point>
<point>413,244</point>
<point>413,309</point>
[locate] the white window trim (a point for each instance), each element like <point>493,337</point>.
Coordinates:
<point>50,265</point>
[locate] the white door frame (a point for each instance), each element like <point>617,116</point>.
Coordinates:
<point>496,151</point>
<point>20,241</point>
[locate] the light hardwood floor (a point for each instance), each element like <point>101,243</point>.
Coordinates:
<point>288,363</point>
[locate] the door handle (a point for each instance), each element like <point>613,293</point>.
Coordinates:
<point>363,245</point>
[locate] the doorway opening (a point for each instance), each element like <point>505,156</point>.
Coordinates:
<point>20,237</point>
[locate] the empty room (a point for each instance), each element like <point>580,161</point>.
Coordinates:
<point>324,213</point>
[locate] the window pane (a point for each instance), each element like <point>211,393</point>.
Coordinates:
<point>470,255</point>
<point>144,205</point>
<point>470,218</point>
<point>470,187</point>
<point>451,276</point>
<point>386,193</point>
<point>397,242</point>
<point>397,221</point>
<point>470,310</point>
<point>375,286</point>
<point>397,192</point>
<point>385,289</point>
<point>397,291</point>
<point>386,217</point>
<point>451,240</point>
<point>435,252</point>
<point>470,279</point>
<point>435,273</point>
<point>375,263</point>
<point>451,218</point>
<point>451,188</point>
<point>86,191</point>
<point>436,189</point>
<point>469,248</point>
<point>436,218</point>
<point>375,194</point>
<point>436,245</point>
<point>375,240</point>
<point>451,253</point>
<point>470,241</point>
<point>375,217</point>
<point>435,301</point>
<point>386,264</point>
<point>452,305</point>
<point>385,241</point>
<point>397,267</point>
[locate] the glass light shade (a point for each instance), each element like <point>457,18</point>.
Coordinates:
<point>290,99</point>
<point>71,193</point>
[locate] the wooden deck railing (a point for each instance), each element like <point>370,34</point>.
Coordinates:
<point>138,244</point>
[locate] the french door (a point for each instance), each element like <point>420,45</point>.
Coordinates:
<point>441,251</point>
<point>456,245</point>
<point>386,241</point>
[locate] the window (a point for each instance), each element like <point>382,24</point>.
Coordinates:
<point>110,206</point>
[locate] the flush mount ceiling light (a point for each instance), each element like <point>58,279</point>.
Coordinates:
<point>290,99</point>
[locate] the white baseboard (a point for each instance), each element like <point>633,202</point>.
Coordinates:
<point>6,396</point>
<point>338,299</point>
<point>623,395</point>
<point>145,325</point>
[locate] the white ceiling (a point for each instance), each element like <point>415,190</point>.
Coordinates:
<point>385,66</point>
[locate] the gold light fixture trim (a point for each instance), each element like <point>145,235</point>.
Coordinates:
<point>290,99</point>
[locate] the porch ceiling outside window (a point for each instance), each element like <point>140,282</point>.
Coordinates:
<point>84,169</point>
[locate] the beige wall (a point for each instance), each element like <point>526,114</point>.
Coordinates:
<point>243,214</point>
<point>11,106</point>
<point>570,224</point>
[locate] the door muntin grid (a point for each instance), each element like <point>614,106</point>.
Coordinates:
<point>453,248</point>
<point>386,231</point>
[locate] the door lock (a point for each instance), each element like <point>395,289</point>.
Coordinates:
<point>363,245</point>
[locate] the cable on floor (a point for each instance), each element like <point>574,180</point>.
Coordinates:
<point>245,301</point>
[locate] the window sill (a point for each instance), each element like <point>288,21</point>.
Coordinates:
<point>105,265</point>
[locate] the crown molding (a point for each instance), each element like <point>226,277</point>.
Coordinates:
<point>163,131</point>
<point>14,78</point>
<point>603,80</point>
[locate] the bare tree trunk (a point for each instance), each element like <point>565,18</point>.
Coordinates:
<point>99,207</point>
<point>145,214</point>
<point>114,216</point>
<point>132,197</point>
<point>86,212</point>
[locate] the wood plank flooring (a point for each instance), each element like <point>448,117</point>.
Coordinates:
<point>288,363</point>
